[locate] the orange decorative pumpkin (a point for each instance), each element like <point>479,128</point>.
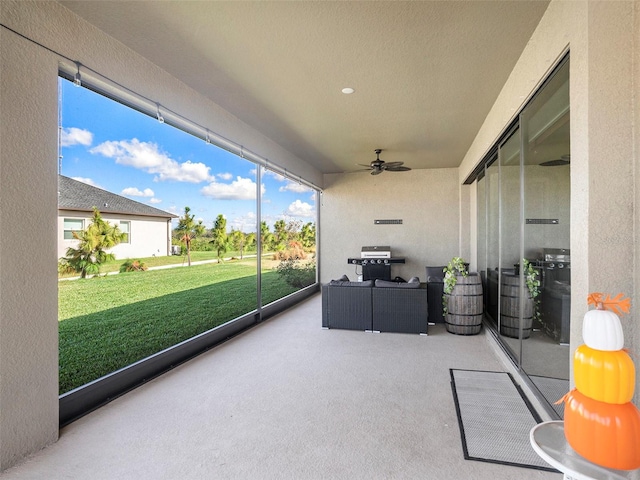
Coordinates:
<point>604,376</point>
<point>603,433</point>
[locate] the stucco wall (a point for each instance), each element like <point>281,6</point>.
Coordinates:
<point>427,202</point>
<point>28,199</point>
<point>601,37</point>
<point>635,341</point>
<point>28,283</point>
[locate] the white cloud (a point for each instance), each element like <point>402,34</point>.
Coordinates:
<point>134,192</point>
<point>274,175</point>
<point>294,187</point>
<point>88,181</point>
<point>239,189</point>
<point>301,209</point>
<point>75,136</point>
<point>147,156</point>
<point>155,200</point>
<point>225,176</point>
<point>245,223</point>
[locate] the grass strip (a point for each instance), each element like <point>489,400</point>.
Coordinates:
<point>114,265</point>
<point>107,323</point>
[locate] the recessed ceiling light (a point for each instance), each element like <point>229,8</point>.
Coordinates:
<point>348,90</point>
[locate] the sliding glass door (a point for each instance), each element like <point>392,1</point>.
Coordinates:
<point>510,238</point>
<point>546,171</point>
<point>523,237</point>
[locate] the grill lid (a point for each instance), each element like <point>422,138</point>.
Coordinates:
<point>557,255</point>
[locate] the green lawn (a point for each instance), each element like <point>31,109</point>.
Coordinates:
<point>107,323</point>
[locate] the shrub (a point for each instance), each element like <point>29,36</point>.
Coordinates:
<point>64,268</point>
<point>133,265</point>
<point>295,274</point>
<point>294,251</point>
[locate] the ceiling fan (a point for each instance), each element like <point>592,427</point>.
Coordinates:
<point>563,160</point>
<point>378,166</point>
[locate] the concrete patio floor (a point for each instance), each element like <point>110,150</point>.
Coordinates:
<point>288,400</point>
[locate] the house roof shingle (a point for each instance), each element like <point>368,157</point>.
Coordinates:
<point>75,195</point>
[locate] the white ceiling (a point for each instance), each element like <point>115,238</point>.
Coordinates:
<point>425,73</point>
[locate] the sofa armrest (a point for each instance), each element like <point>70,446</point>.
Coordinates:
<point>435,289</point>
<point>347,307</point>
<point>403,310</point>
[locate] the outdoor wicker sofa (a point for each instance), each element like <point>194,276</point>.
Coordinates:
<point>382,306</point>
<point>435,289</point>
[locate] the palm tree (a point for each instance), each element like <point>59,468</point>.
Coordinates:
<point>93,244</point>
<point>188,229</point>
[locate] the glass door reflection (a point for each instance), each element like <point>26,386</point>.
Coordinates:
<point>492,199</point>
<point>545,125</point>
<point>510,238</point>
<point>523,196</point>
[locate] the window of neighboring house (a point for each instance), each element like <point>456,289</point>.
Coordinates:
<point>125,227</point>
<point>72,225</point>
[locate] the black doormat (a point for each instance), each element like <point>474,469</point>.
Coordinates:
<point>495,419</point>
<point>553,389</point>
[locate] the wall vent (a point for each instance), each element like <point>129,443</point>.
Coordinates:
<point>387,222</point>
<point>546,221</point>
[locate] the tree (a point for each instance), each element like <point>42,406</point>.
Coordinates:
<point>188,229</point>
<point>308,235</point>
<point>238,240</point>
<point>266,236</point>
<point>280,235</point>
<point>93,244</point>
<point>293,231</point>
<point>250,240</point>
<point>219,234</point>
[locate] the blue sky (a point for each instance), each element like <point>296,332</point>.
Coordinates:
<point>118,149</point>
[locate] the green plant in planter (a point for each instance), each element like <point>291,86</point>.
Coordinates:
<point>455,267</point>
<point>532,281</point>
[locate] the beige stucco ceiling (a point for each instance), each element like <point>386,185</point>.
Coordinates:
<point>425,74</point>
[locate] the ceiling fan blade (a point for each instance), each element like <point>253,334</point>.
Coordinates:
<point>398,169</point>
<point>555,163</point>
<point>364,165</point>
<point>393,164</point>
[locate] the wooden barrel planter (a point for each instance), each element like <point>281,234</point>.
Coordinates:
<point>464,306</point>
<point>510,308</point>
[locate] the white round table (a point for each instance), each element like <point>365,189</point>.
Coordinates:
<point>549,442</point>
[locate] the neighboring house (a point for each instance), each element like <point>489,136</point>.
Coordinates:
<point>147,229</point>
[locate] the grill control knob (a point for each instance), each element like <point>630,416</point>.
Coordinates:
<point>386,260</point>
<point>560,265</point>
<point>364,262</point>
<point>354,260</point>
<point>379,261</point>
